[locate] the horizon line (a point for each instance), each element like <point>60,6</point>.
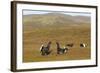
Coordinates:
<point>37,12</point>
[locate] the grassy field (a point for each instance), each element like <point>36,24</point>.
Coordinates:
<point>34,37</point>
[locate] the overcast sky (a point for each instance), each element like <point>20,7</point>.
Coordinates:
<point>28,12</point>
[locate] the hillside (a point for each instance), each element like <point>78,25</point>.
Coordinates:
<point>54,19</point>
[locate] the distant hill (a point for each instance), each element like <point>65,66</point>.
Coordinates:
<point>54,19</point>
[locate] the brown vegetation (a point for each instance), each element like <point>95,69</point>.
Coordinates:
<point>37,33</point>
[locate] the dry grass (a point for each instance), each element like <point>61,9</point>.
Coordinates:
<point>34,37</point>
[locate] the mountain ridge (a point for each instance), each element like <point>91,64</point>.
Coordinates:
<point>54,19</point>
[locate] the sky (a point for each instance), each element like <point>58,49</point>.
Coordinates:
<point>28,12</point>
